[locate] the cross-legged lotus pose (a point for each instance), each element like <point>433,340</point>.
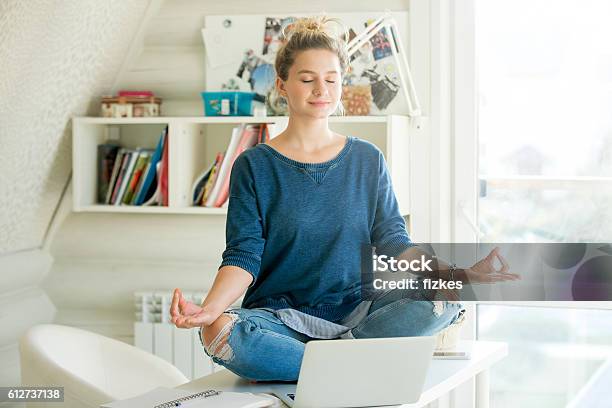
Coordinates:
<point>301,208</point>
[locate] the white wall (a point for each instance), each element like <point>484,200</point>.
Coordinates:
<point>56,57</point>
<point>101,259</point>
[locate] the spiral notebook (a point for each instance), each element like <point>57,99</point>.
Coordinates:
<point>162,397</point>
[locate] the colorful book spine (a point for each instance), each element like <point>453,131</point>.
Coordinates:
<point>115,173</point>
<point>212,178</point>
<point>126,177</point>
<point>107,153</point>
<point>197,190</point>
<point>247,139</point>
<point>163,176</point>
<point>141,181</point>
<point>143,156</point>
<point>225,166</point>
<point>124,163</point>
<point>150,174</point>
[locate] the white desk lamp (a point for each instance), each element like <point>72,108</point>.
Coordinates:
<point>386,21</point>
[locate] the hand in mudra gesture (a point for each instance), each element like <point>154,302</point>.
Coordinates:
<point>484,270</point>
<point>187,315</point>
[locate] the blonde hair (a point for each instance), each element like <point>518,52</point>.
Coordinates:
<point>311,33</point>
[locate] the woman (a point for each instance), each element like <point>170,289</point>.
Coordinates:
<point>301,209</point>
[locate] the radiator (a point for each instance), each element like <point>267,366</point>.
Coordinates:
<point>154,333</point>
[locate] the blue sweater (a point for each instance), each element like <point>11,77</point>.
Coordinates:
<point>299,228</point>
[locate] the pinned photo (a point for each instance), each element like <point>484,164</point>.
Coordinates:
<point>273,34</point>
<point>381,44</point>
<point>384,89</point>
<point>249,64</point>
<point>262,78</point>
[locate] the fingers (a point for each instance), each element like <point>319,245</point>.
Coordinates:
<point>485,265</point>
<point>182,324</point>
<point>491,257</point>
<point>505,267</point>
<point>174,308</point>
<point>492,278</point>
<point>504,263</point>
<point>197,320</point>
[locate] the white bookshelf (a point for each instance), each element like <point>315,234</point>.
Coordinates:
<point>194,142</point>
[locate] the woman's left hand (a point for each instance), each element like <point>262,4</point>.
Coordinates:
<point>484,270</point>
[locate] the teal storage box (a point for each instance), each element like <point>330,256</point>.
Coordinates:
<point>229,103</point>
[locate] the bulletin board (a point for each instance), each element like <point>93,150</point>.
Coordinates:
<point>240,51</point>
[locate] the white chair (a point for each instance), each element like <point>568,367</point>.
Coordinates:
<point>93,369</point>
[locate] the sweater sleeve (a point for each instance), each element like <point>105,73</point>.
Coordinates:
<point>243,230</point>
<point>389,234</point>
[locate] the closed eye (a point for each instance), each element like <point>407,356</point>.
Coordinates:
<point>331,82</point>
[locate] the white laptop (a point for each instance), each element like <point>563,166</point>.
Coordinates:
<point>360,373</point>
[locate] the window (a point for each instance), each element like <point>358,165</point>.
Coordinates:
<point>544,126</point>
<point>544,78</point>
<point>554,352</point>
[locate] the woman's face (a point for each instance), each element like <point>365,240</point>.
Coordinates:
<point>314,84</point>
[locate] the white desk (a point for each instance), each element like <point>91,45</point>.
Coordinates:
<point>443,376</point>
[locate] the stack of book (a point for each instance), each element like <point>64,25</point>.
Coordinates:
<point>211,187</point>
<point>133,176</point>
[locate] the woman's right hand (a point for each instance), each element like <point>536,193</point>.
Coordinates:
<point>187,315</point>
<point>484,271</point>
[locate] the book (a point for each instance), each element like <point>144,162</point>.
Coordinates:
<point>225,165</point>
<point>149,177</point>
<point>264,134</point>
<point>197,189</point>
<point>124,162</point>
<point>248,138</point>
<point>113,179</point>
<point>155,197</point>
<point>141,161</point>
<point>107,153</point>
<point>163,173</point>
<point>162,397</point>
<point>126,176</point>
<point>212,178</point>
<point>141,181</point>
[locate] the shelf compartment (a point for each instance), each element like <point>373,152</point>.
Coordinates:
<point>87,137</point>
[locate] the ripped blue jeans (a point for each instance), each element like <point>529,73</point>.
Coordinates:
<point>257,345</point>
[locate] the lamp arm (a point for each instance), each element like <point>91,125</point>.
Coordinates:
<point>414,107</point>
<point>399,54</point>
<point>370,30</point>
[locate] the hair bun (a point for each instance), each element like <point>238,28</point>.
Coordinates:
<point>313,25</point>
<point>316,24</point>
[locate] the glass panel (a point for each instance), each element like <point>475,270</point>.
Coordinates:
<point>553,352</point>
<point>544,74</point>
<point>518,212</point>
<point>545,87</point>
